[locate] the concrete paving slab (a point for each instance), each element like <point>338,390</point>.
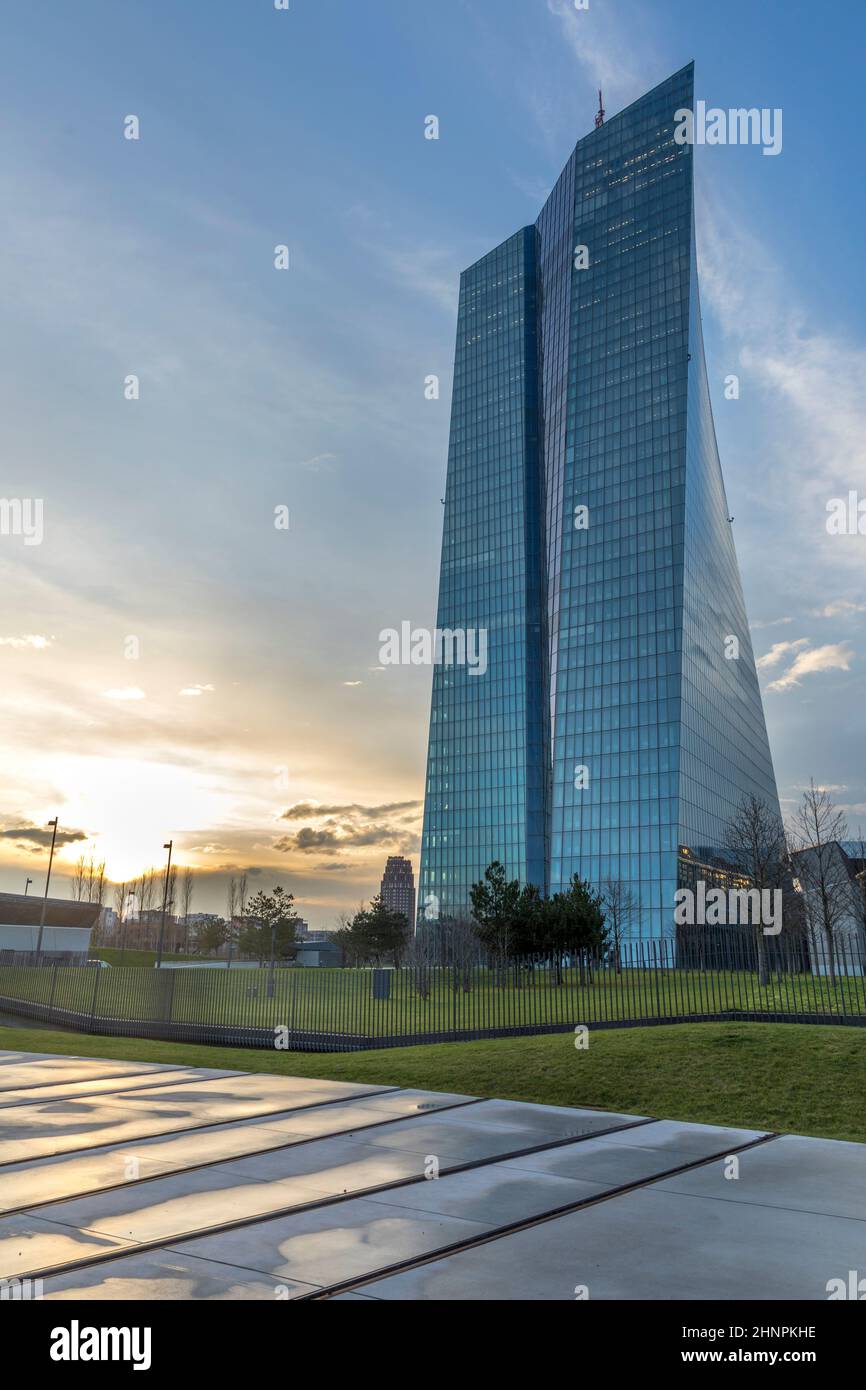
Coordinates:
<point>358,1115</point>
<point>176,1206</point>
<point>32,1069</point>
<point>649,1244</point>
<point>678,1135</point>
<point>412,1101</point>
<point>168,1276</point>
<point>495,1195</point>
<point>41,1130</point>
<point>339,1242</point>
<point>463,1136</point>
<point>545,1121</point>
<point>70,1175</point>
<point>111,1085</point>
<point>237,1089</point>
<point>169,1208</point>
<point>29,1243</point>
<point>450,1143</point>
<point>794,1173</point>
<point>615,1161</point>
<point>336,1166</point>
<point>453,1137</point>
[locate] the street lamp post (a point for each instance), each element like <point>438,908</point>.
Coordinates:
<point>164,904</point>
<point>52,823</point>
<point>27,885</point>
<point>273,954</point>
<point>124,922</point>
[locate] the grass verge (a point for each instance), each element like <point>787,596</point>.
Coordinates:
<point>805,1079</point>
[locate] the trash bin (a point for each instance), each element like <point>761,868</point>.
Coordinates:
<point>382,984</point>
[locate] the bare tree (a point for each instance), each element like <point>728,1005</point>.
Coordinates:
<point>621,911</point>
<point>145,890</point>
<point>755,841</point>
<point>78,878</point>
<point>121,902</point>
<point>860,889</point>
<point>97,883</point>
<point>186,891</point>
<point>170,914</point>
<point>821,869</point>
<point>231,906</point>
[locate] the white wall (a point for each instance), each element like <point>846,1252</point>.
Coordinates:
<point>24,938</point>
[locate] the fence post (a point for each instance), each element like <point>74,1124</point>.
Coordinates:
<point>168,993</point>
<point>51,997</point>
<point>96,974</point>
<point>657,964</point>
<point>454,1003</point>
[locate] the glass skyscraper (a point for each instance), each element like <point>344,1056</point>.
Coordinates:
<point>619,721</point>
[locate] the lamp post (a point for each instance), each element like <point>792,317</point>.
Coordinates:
<point>164,904</point>
<point>27,885</point>
<point>45,895</point>
<point>124,922</point>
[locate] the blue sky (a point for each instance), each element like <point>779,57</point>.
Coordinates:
<point>305,388</point>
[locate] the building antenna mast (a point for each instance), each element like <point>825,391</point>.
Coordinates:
<point>599,120</point>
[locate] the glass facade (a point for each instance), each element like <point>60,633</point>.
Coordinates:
<point>586,527</point>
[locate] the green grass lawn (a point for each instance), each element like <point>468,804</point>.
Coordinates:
<point>807,1079</point>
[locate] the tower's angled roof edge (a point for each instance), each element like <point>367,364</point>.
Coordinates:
<point>687,67</point>
<point>530,227</point>
<point>591,134</point>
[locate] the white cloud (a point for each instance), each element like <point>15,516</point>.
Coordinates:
<point>773,622</point>
<point>124,692</point>
<point>840,608</point>
<point>196,690</point>
<point>833,657</point>
<point>31,639</point>
<point>778,651</point>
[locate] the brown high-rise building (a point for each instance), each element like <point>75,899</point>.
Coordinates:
<point>398,887</point>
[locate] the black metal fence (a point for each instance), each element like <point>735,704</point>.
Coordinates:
<point>354,1009</point>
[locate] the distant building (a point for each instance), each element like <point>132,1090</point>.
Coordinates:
<point>398,887</point>
<point>152,917</point>
<point>839,870</point>
<point>66,935</point>
<point>319,951</point>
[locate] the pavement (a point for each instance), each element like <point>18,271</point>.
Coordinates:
<point>123,1180</point>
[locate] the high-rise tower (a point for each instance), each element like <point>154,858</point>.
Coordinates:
<point>619,722</point>
<point>397,890</point>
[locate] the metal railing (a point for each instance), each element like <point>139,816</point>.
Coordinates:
<point>320,1009</point>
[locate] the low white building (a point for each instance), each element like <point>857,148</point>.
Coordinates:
<point>66,934</point>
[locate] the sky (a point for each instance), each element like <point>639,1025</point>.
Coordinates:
<point>175,665</point>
